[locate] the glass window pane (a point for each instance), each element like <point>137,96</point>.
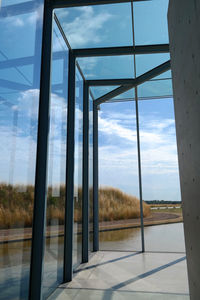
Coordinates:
<point>157,88</point>
<point>160,175</point>
<point>98,91</point>
<point>54,250</point>
<point>20,60</point>
<point>129,95</point>
<point>165,75</point>
<point>150,22</point>
<point>77,245</point>
<point>119,206</point>
<point>108,67</point>
<point>97,26</point>
<point>145,63</point>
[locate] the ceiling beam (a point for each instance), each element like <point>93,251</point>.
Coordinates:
<point>126,50</point>
<point>17,9</point>
<point>137,81</point>
<point>110,82</point>
<point>75,3</point>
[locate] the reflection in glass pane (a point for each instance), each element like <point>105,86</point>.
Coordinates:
<point>119,206</point>
<point>166,237</point>
<point>5,3</point>
<point>19,99</point>
<point>54,250</point>
<point>160,175</point>
<point>107,67</point>
<point>77,243</point>
<point>97,26</point>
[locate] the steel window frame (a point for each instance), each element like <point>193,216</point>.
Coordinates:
<point>74,3</point>
<point>39,220</point>
<point>134,83</point>
<point>95,179</point>
<point>124,50</point>
<point>128,84</point>
<point>69,203</point>
<point>40,195</point>
<point>85,177</point>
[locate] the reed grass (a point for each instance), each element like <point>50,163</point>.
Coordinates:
<point>16,206</point>
<point>117,205</point>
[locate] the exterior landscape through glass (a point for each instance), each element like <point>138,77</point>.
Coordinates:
<point>55,216</point>
<point>21,38</point>
<point>87,138</point>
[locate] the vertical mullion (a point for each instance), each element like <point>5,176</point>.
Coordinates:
<point>85,211</point>
<point>138,135</point>
<point>139,170</point>
<point>40,197</point>
<point>95,180</point>
<point>69,203</point>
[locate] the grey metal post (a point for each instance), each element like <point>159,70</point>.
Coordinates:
<point>139,169</point>
<point>69,203</point>
<point>37,251</point>
<point>95,180</point>
<point>85,209</point>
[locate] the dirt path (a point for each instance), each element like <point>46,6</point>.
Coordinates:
<point>156,218</point>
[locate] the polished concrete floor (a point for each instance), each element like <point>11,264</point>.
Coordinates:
<point>126,275</point>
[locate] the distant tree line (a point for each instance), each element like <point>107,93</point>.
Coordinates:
<point>162,202</point>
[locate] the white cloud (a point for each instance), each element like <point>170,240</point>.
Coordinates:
<point>23,20</point>
<point>88,64</point>
<point>112,127</point>
<point>118,154</point>
<point>84,28</point>
<point>37,15</point>
<point>18,141</point>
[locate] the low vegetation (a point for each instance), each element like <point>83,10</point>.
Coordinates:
<point>16,205</point>
<point>116,205</point>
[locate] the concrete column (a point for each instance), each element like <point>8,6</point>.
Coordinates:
<point>184,35</point>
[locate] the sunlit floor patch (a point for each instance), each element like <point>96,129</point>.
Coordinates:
<point>125,275</point>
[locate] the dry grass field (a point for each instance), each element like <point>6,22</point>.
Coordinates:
<point>116,205</point>
<point>16,206</point>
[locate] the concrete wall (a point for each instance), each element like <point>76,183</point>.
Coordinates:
<point>184,34</point>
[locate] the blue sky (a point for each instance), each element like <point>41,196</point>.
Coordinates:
<point>118,162</point>
<point>97,26</point>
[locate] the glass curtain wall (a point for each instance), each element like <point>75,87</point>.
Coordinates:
<point>90,174</point>
<point>77,240</point>
<point>160,175</point>
<point>54,250</point>
<point>20,60</point>
<point>119,206</point>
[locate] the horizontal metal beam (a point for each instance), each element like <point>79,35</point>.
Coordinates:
<point>14,85</point>
<point>110,82</point>
<point>17,9</point>
<point>139,98</point>
<point>29,60</point>
<point>16,62</point>
<point>75,3</point>
<point>112,94</point>
<point>154,72</point>
<point>122,81</point>
<point>111,51</point>
<point>127,50</point>
<point>135,82</point>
